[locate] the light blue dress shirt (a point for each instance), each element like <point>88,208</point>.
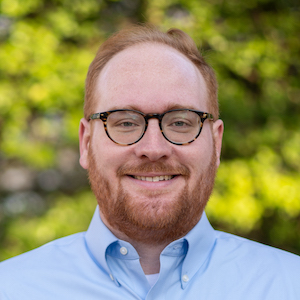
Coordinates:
<point>205,264</point>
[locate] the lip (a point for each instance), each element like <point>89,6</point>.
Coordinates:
<point>154,178</point>
<point>151,174</point>
<point>153,184</point>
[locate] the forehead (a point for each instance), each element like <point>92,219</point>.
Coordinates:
<point>151,78</point>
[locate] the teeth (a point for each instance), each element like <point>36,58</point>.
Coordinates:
<point>155,178</point>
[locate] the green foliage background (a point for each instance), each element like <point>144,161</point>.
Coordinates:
<point>45,49</point>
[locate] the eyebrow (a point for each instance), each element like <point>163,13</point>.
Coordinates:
<point>169,107</point>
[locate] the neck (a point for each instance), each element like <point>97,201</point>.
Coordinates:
<point>149,256</point>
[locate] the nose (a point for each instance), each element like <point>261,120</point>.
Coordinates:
<point>153,145</point>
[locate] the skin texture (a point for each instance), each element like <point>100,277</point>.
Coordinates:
<point>151,78</point>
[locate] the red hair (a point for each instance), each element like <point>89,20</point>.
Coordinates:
<point>137,34</point>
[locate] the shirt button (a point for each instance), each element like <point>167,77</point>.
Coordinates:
<point>185,278</point>
<point>111,277</point>
<point>123,251</point>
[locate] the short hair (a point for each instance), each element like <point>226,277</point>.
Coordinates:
<point>138,34</point>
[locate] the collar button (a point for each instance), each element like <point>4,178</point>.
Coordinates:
<point>123,250</point>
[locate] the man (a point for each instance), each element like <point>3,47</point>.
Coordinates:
<point>151,141</point>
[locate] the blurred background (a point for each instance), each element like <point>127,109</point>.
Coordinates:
<point>46,47</point>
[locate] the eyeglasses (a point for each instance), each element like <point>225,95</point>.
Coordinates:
<point>127,127</point>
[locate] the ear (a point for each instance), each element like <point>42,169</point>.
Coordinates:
<point>218,128</point>
<point>84,142</point>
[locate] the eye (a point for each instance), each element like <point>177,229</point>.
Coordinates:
<point>127,124</point>
<point>179,123</point>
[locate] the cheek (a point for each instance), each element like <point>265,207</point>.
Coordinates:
<point>108,155</point>
<point>198,157</point>
<point>100,147</point>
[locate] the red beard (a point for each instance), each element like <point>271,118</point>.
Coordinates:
<point>153,221</point>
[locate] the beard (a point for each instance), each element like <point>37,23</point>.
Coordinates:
<point>148,219</point>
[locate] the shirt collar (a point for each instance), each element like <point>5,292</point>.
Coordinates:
<point>200,242</point>
<point>98,237</point>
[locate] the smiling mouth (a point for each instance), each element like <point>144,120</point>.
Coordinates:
<point>154,178</point>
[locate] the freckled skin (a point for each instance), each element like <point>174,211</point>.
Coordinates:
<point>151,78</point>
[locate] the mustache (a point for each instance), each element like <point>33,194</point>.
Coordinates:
<point>155,167</point>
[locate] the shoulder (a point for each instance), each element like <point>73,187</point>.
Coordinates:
<point>256,255</point>
<point>49,254</point>
<point>62,267</point>
<point>245,269</point>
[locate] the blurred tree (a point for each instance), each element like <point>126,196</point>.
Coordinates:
<point>45,49</point>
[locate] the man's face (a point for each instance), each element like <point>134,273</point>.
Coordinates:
<point>150,78</point>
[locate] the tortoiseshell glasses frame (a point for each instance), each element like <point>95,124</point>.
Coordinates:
<point>134,126</point>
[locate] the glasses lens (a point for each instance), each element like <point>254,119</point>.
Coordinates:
<point>181,126</point>
<point>125,127</point>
